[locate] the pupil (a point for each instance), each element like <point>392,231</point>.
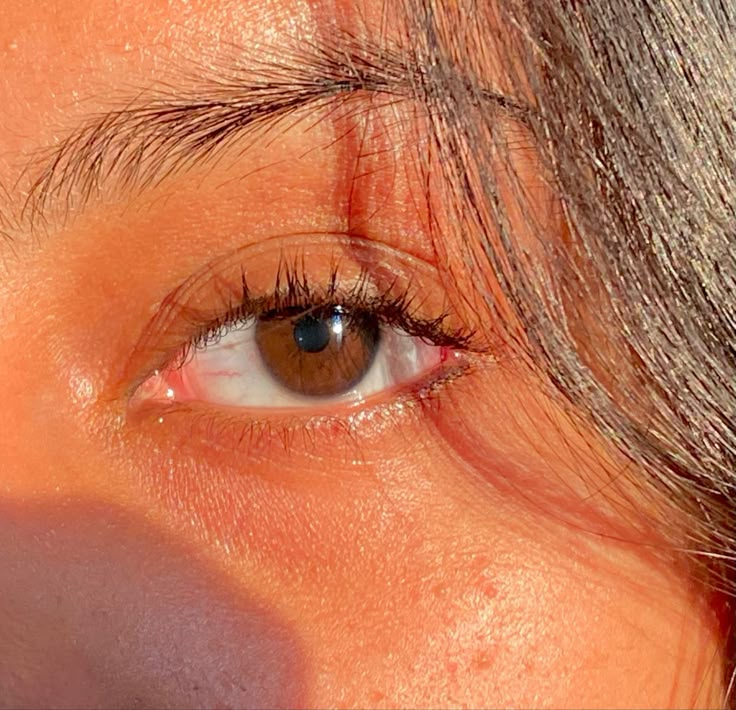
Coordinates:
<point>312,335</point>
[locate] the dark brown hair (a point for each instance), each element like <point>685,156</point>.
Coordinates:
<point>631,110</point>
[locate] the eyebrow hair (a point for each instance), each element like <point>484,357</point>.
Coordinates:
<point>175,129</point>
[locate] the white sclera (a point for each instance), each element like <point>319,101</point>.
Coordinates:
<point>230,371</point>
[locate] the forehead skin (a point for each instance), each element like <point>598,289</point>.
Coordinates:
<point>140,575</point>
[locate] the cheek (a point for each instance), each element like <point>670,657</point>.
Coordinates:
<point>406,585</point>
<point>451,607</point>
<point>401,586</point>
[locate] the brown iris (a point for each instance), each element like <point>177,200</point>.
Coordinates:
<point>318,353</point>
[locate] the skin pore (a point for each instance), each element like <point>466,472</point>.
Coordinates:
<point>461,547</point>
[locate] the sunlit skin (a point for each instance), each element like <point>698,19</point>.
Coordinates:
<point>456,551</point>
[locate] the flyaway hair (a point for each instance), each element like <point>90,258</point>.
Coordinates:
<point>631,316</point>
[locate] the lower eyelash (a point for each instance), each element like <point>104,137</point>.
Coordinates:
<point>256,435</point>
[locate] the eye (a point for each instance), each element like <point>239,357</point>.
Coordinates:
<point>325,354</point>
<point>299,322</point>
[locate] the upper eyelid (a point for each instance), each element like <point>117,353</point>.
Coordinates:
<point>391,311</point>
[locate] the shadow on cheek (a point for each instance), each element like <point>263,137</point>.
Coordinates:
<point>100,609</point>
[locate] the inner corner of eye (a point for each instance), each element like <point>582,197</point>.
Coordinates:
<point>160,385</point>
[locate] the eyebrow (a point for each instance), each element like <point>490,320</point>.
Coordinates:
<point>175,129</point>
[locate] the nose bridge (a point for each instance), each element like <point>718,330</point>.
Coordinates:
<point>42,401</point>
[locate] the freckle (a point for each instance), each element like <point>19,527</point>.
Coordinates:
<point>488,589</point>
<point>482,660</point>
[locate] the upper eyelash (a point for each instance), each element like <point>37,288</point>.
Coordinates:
<point>294,291</point>
<point>364,276</point>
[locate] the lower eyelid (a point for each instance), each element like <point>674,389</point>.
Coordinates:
<point>388,377</point>
<point>264,433</point>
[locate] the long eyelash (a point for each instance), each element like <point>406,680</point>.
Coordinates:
<point>295,293</point>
